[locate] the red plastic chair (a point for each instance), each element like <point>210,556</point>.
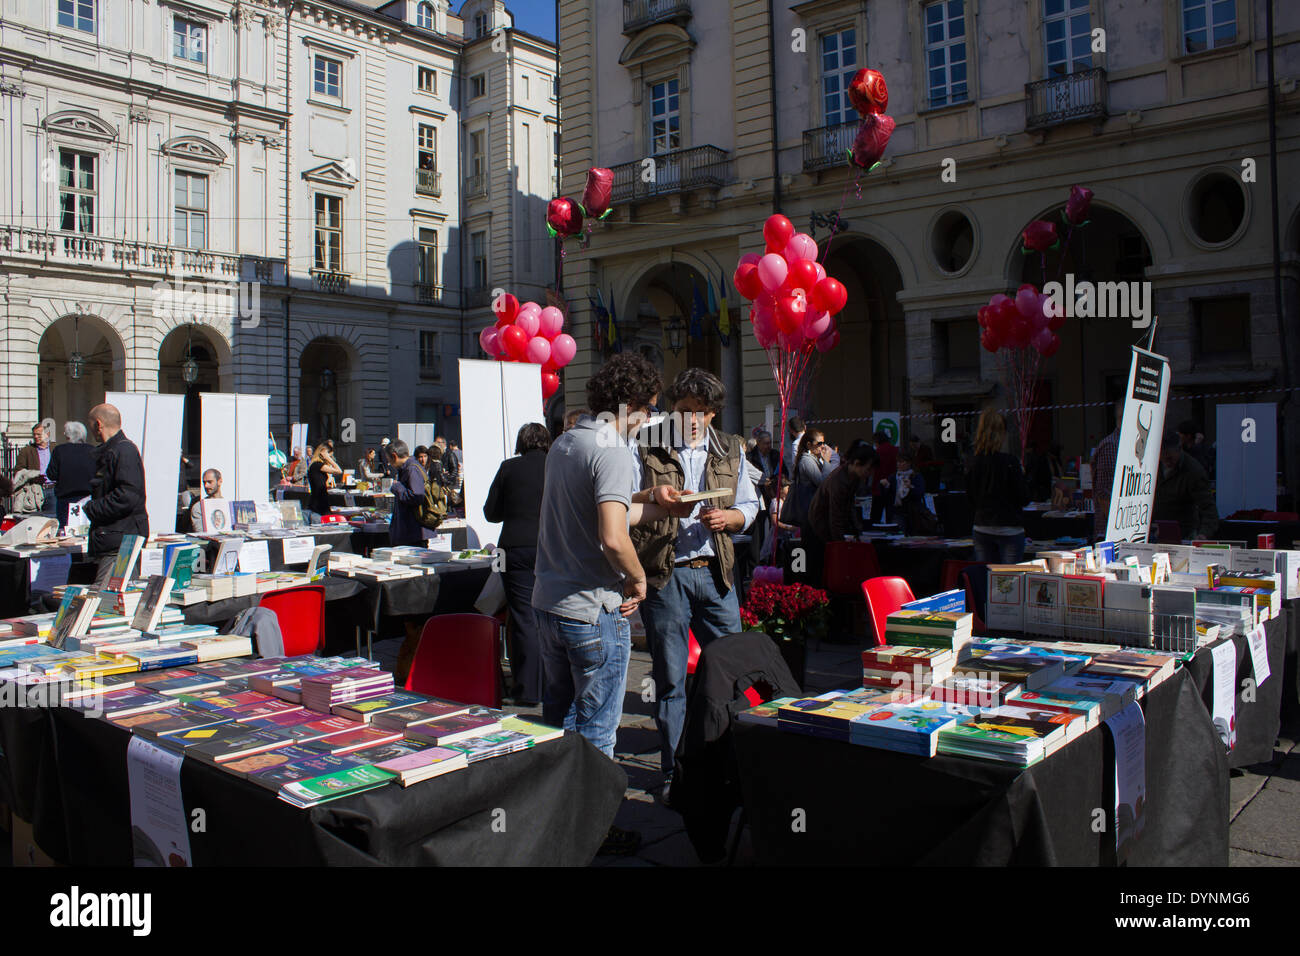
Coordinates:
<point>884,596</point>
<point>848,565</point>
<point>950,574</point>
<point>1168,532</point>
<point>300,612</point>
<point>692,652</point>
<point>457,659</point>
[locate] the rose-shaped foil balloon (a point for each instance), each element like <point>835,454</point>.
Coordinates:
<point>868,93</point>
<point>563,218</point>
<point>872,139</point>
<point>1039,236</point>
<point>1077,206</point>
<point>596,201</point>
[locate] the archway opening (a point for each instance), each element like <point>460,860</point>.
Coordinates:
<point>325,394</point>
<point>80,359</point>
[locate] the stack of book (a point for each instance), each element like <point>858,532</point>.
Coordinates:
<point>830,715</point>
<point>911,668</point>
<point>1004,738</point>
<point>492,745</point>
<point>443,731</point>
<point>906,728</point>
<point>969,690</point>
<point>364,711</point>
<point>424,712</point>
<point>424,764</point>
<point>323,692</point>
<point>308,793</point>
<point>937,630</point>
<point>1032,671</point>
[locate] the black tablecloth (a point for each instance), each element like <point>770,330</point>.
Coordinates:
<point>220,612</point>
<point>442,593</point>
<point>1286,532</point>
<point>558,801</point>
<point>863,806</point>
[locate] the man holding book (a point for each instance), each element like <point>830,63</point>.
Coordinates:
<point>117,505</point>
<point>689,560</point>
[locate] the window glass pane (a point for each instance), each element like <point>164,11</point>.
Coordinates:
<point>959,73</point>
<point>1055,30</point>
<point>934,34</point>
<point>1052,8</point>
<point>1193,18</point>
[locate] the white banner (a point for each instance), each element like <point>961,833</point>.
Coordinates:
<point>1137,458</point>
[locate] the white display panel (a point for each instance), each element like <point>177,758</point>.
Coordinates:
<point>154,422</point>
<point>1246,457</point>
<point>217,442</point>
<point>235,441</point>
<point>416,434</point>
<point>297,437</point>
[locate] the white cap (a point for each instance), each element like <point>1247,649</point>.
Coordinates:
<point>385,442</point>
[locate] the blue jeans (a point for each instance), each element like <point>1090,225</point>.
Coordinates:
<point>999,548</point>
<point>584,668</point>
<point>689,601</point>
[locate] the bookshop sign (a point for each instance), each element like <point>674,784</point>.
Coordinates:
<point>1137,459</point>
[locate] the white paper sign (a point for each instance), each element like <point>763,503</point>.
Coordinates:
<point>151,562</point>
<point>1137,457</point>
<point>158,823</point>
<point>440,542</point>
<point>1259,654</point>
<point>76,519</point>
<point>1128,729</point>
<point>255,556</point>
<point>1225,697</point>
<point>298,550</point>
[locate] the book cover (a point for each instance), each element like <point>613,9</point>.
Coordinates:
<point>945,601</point>
<point>127,553</point>
<point>221,749</point>
<point>445,730</point>
<point>429,762</point>
<point>1044,613</point>
<point>298,768</point>
<point>1084,620</point>
<point>306,793</point>
<point>540,732</point>
<point>1005,609</point>
<point>243,513</point>
<point>423,713</point>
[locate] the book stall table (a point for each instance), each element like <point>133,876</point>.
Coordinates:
<point>1285,532</point>
<point>859,804</point>
<point>16,573</point>
<point>1050,525</point>
<point>455,587</point>
<point>339,537</point>
<point>68,777</point>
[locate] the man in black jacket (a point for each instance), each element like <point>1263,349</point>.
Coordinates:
<point>117,505</point>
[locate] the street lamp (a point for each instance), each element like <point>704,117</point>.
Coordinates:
<point>189,368</point>
<point>676,326</point>
<point>76,361</point>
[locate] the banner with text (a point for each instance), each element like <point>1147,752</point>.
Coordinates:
<point>1137,459</point>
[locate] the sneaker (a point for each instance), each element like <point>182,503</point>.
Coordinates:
<point>619,842</point>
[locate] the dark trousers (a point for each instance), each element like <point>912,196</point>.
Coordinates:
<point>525,647</point>
<point>882,506</point>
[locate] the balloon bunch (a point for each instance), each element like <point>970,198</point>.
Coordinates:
<point>529,333</point>
<point>1027,321</point>
<point>794,304</point>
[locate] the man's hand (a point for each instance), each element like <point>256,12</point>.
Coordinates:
<point>717,519</point>
<point>633,594</point>
<point>669,498</point>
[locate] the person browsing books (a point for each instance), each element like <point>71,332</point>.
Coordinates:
<point>834,514</point>
<point>323,466</point>
<point>72,466</point>
<point>997,493</point>
<point>117,505</point>
<point>211,492</point>
<point>1183,492</point>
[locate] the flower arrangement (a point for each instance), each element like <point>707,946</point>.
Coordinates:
<point>786,612</point>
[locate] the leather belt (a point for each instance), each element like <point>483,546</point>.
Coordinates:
<point>695,563</point>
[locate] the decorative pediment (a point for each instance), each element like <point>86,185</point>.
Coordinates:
<point>659,42</point>
<point>194,147</point>
<point>330,174</point>
<point>80,124</point>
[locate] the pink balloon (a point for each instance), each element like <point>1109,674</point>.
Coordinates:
<point>752,257</point>
<point>772,270</point>
<point>816,324</point>
<point>527,321</point>
<point>552,320</point>
<point>487,340</point>
<point>792,341</point>
<point>532,307</point>
<point>1027,302</point>
<point>762,309</point>
<point>766,337</point>
<point>828,342</point>
<point>765,325</point>
<point>801,246</point>
<point>539,349</point>
<point>563,349</point>
<point>821,271</point>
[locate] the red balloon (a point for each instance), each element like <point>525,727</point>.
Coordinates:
<point>1050,349</point>
<point>777,232</point>
<point>563,217</point>
<point>506,307</point>
<point>989,339</point>
<point>868,93</point>
<point>983,317</point>
<point>549,365</point>
<point>515,341</point>
<point>829,295</point>
<point>746,280</point>
<point>790,312</point>
<point>550,382</point>
<point>802,275</point>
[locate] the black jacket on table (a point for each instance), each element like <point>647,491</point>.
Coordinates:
<point>515,498</point>
<point>117,505</point>
<point>997,491</point>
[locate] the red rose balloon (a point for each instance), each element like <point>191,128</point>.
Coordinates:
<point>564,218</point>
<point>596,197</point>
<point>777,232</point>
<point>1039,236</point>
<point>868,93</point>
<point>1076,208</point>
<point>829,295</point>
<point>872,139</point>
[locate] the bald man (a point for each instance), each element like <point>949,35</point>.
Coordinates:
<point>117,495</point>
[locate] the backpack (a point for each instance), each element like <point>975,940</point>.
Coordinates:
<point>431,512</point>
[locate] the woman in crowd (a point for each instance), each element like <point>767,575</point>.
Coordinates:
<point>998,493</point>
<point>370,468</point>
<point>515,500</point>
<point>323,468</point>
<point>809,470</point>
<point>72,466</point>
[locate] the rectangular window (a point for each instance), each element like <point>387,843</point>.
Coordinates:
<point>430,362</point>
<point>665,118</point>
<point>189,40</point>
<point>526,191</point>
<point>426,151</point>
<point>480,24</point>
<point>77,191</point>
<point>77,14</point>
<point>1222,329</point>
<point>1208,24</point>
<point>426,266</point>
<point>477,85</point>
<point>327,77</point>
<point>478,254</point>
<point>945,52</point>
<point>191,210</point>
<point>329,233</point>
<point>524,77</point>
<point>477,157</point>
<point>1067,33</point>
<point>428,80</point>
<point>839,63</point>
<point>952,346</point>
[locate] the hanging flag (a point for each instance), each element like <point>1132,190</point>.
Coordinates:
<point>697,312</point>
<point>712,300</point>
<point>615,340</point>
<point>724,319</point>
<point>599,316</point>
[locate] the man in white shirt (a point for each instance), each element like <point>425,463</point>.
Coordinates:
<point>211,492</point>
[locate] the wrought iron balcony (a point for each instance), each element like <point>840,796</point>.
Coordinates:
<point>828,146</point>
<point>1065,99</point>
<point>428,293</point>
<point>673,172</point>
<point>333,282</point>
<point>476,185</point>
<point>428,182</point>
<point>638,14</point>
<point>52,247</point>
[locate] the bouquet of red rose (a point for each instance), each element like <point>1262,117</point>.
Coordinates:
<point>786,612</point>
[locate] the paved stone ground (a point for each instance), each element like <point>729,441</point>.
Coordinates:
<point>1265,805</point>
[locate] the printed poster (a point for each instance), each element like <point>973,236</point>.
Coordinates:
<point>1128,729</point>
<point>159,830</point>
<point>1137,457</point>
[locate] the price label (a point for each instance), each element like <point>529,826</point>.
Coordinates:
<point>255,556</point>
<point>298,550</point>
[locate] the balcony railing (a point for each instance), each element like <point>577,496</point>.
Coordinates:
<point>332,282</point>
<point>674,172</point>
<point>642,13</point>
<point>428,293</point>
<point>1065,99</point>
<point>476,185</point>
<point>828,146</point>
<point>428,182</point>
<point>117,255</point>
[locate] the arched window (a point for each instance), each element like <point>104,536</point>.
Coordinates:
<point>424,15</point>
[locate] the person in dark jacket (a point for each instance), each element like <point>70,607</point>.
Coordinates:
<point>117,505</point>
<point>72,467</point>
<point>408,492</point>
<point>998,493</point>
<point>882,482</point>
<point>1183,492</point>
<point>515,502</point>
